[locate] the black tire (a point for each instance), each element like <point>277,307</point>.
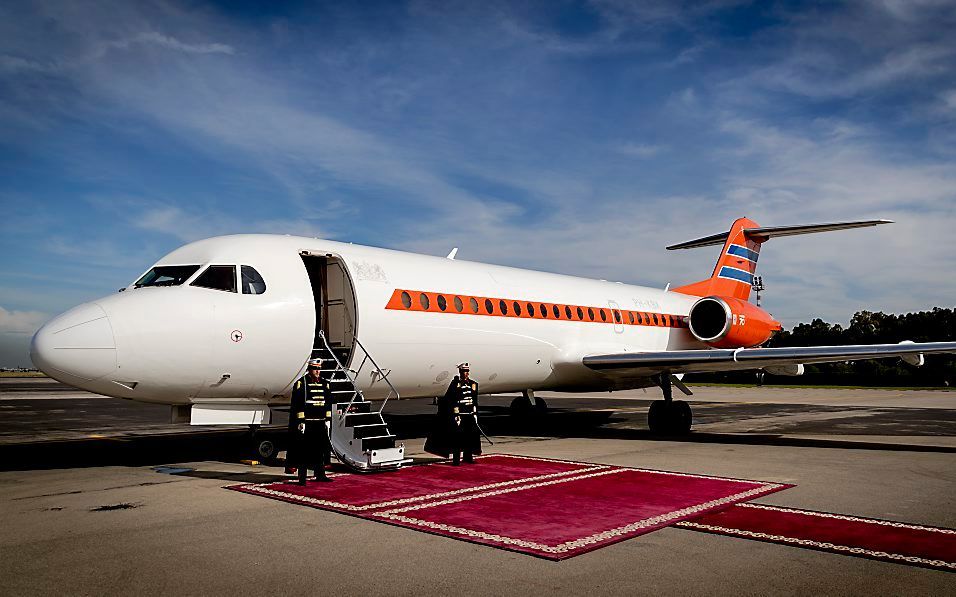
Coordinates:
<point>521,408</point>
<point>681,417</point>
<point>657,417</point>
<point>540,407</point>
<point>265,449</point>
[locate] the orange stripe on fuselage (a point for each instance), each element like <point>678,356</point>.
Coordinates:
<point>463,304</point>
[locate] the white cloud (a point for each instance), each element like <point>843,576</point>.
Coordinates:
<point>190,224</point>
<point>169,42</point>
<point>21,322</point>
<point>639,150</point>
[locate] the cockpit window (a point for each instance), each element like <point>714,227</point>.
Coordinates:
<point>166,275</point>
<point>252,282</point>
<point>218,277</point>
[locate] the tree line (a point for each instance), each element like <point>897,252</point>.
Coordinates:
<point>866,327</point>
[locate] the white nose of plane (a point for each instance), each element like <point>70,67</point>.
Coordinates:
<point>76,347</point>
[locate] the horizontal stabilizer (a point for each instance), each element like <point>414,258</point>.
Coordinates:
<point>763,233</point>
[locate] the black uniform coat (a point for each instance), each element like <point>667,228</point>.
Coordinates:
<point>461,400</point>
<point>311,407</point>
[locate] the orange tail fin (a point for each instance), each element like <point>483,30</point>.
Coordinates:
<point>734,273</point>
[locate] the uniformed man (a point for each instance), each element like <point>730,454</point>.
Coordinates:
<point>457,431</point>
<point>309,418</point>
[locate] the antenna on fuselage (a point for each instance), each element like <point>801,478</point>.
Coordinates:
<point>452,254</point>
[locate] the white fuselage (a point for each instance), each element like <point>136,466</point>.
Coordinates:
<point>186,344</point>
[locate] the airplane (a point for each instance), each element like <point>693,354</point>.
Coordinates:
<point>221,328</point>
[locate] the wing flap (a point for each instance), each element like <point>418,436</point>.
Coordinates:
<point>700,361</point>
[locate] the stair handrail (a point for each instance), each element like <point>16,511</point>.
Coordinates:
<point>354,379</point>
<point>340,367</point>
<point>381,374</point>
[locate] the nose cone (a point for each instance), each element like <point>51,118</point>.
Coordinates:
<point>76,347</point>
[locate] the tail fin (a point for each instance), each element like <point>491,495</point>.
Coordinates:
<point>734,273</point>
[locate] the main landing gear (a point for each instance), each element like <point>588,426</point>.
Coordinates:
<point>670,416</point>
<point>528,407</point>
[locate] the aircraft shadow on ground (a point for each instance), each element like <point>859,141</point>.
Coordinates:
<point>234,445</point>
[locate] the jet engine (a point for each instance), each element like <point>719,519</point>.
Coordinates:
<point>726,322</point>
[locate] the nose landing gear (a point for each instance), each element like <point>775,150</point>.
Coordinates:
<point>264,446</point>
<point>669,416</point>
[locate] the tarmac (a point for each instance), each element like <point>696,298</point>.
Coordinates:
<point>104,496</point>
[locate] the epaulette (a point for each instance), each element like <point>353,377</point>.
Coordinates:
<point>298,384</point>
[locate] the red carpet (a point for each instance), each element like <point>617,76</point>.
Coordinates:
<point>916,545</point>
<point>547,508</point>
<point>362,493</point>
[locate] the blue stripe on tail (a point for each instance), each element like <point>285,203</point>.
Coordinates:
<point>736,274</point>
<point>744,252</point>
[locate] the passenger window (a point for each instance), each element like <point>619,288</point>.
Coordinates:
<point>617,316</point>
<point>580,313</point>
<point>473,303</point>
<point>517,307</point>
<point>503,306</point>
<point>458,304</point>
<point>590,313</point>
<point>442,303</point>
<point>406,300</point>
<point>252,282</point>
<point>423,301</point>
<point>557,311</point>
<point>489,307</point>
<point>543,310</point>
<point>654,316</point>
<point>603,313</point>
<point>166,275</point>
<point>630,317</point>
<point>531,309</point>
<point>218,277</point>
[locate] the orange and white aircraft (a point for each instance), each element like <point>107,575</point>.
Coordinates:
<point>221,328</point>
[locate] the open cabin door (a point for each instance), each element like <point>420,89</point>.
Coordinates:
<point>334,295</point>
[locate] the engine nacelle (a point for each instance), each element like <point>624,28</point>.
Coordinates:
<point>726,322</point>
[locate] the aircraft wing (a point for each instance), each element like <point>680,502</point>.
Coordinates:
<point>699,361</point>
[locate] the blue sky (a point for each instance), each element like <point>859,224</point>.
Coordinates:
<point>579,137</point>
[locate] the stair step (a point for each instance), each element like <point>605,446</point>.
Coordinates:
<point>357,406</point>
<point>378,442</point>
<point>374,430</point>
<point>353,419</point>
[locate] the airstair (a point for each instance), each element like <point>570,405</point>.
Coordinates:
<point>359,435</point>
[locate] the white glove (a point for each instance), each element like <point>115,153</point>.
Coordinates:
<point>301,427</point>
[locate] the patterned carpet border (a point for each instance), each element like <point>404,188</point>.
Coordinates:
<point>703,524</point>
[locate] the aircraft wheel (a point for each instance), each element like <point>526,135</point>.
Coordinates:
<point>657,416</point>
<point>265,449</point>
<point>681,417</point>
<point>521,408</point>
<point>540,407</point>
